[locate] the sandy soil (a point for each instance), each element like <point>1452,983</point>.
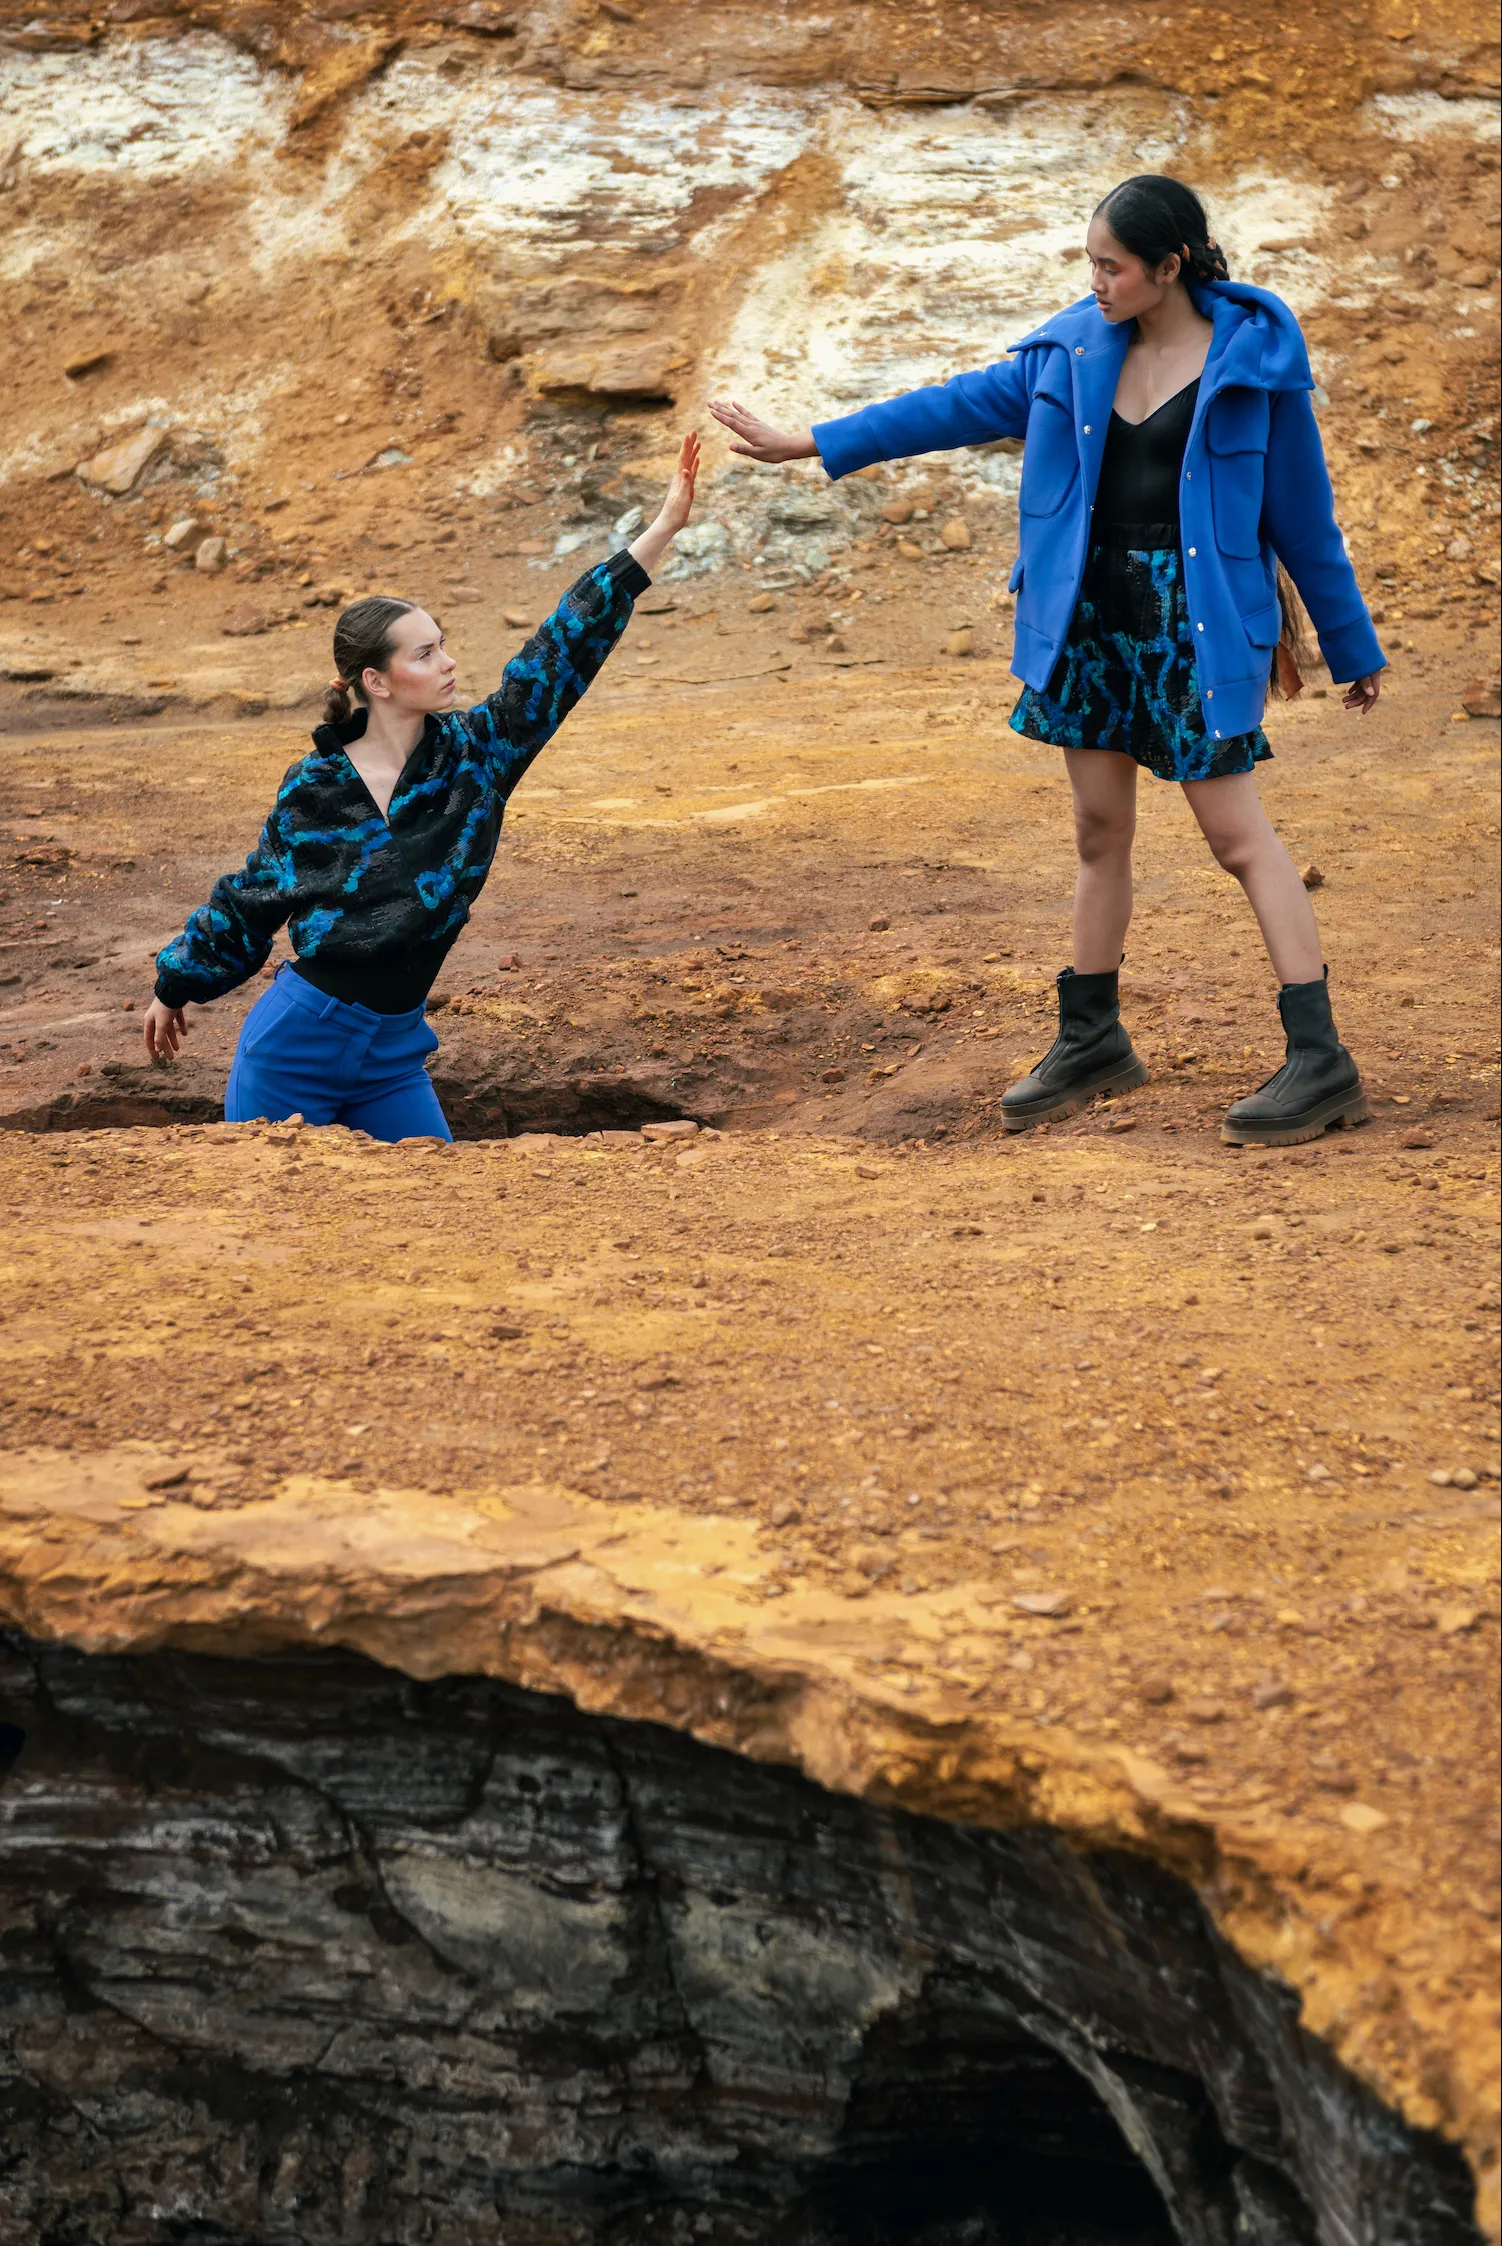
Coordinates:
<point>1109,1475</point>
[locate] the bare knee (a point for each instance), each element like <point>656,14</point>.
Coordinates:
<point>1235,850</point>
<point>1102,837</point>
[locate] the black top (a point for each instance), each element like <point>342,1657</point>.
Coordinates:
<point>375,904</point>
<point>1139,472</point>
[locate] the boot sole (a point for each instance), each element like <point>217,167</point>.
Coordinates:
<point>1125,1079</point>
<point>1345,1111</point>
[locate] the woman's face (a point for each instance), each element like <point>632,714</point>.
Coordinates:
<point>420,675</point>
<point>1123,286</point>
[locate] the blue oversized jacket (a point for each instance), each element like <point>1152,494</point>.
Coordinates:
<point>370,895</point>
<point>1255,488</point>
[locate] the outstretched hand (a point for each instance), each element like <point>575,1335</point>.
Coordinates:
<point>1363,694</point>
<point>654,541</point>
<point>760,440</point>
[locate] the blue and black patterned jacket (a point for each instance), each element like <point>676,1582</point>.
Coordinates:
<point>374,905</point>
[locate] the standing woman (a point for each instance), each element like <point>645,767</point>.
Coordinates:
<point>1171,463</point>
<point>378,845</point>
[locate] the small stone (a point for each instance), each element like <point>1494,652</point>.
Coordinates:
<point>1360,1817</point>
<point>1440,1478</point>
<point>1331,1775</point>
<point>186,535</point>
<point>873,1562</point>
<point>1265,1228</point>
<point>648,1382</point>
<point>1319,1474</point>
<point>761,603</point>
<point>1417,1139</point>
<point>956,535</point>
<point>1461,1478</point>
<point>898,511</point>
<point>909,549</point>
<point>517,618</point>
<point>167,1478</point>
<point>878,926</point>
<point>833,1076</point>
<point>1312,878</point>
<point>87,362</point>
<point>866,1170</point>
<point>1122,1123</point>
<point>120,467</point>
<point>1460,548</point>
<point>961,642</point>
<point>211,556</point>
<point>464,594</point>
<point>1156,1689</point>
<point>1047,1603</point>
<point>662,1134</point>
<point>1482,698</point>
<point>1271,1692</point>
<point>1204,1710</point>
<point>1186,1750</point>
<point>785,1513</point>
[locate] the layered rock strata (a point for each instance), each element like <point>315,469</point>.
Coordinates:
<point>301,1949</point>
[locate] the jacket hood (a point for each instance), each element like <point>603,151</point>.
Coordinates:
<point>1257,341</point>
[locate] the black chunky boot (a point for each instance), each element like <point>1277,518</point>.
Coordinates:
<point>1092,1053</point>
<point>1319,1083</point>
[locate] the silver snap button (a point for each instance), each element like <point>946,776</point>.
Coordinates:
<point>1217,734</point>
<point>1199,627</point>
<point>1079,350</point>
<point>1087,428</point>
<point>1209,694</point>
<point>1193,550</point>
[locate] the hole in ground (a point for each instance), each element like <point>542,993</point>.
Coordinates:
<point>585,1980</point>
<point>571,1108</point>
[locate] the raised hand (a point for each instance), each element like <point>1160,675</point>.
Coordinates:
<point>654,541</point>
<point>759,439</point>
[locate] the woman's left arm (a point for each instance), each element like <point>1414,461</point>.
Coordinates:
<point>1298,518</point>
<point>564,655</point>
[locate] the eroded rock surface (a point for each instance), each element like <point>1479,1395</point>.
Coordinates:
<point>301,1949</point>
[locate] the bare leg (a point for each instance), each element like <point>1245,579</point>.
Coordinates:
<point>1245,842</point>
<point>1105,822</point>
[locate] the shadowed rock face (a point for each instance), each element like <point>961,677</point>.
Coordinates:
<point>302,1950</point>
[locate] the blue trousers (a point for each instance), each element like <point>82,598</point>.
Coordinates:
<point>303,1054</point>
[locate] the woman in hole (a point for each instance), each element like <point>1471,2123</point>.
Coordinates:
<point>1171,464</point>
<point>377,847</point>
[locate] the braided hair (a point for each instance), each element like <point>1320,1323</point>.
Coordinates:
<point>1157,218</point>
<point>362,642</point>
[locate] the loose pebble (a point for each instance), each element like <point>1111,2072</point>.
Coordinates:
<point>1451,1622</point>
<point>1204,1711</point>
<point>1156,1689</point>
<point>1271,1692</point>
<point>1360,1817</point>
<point>1312,878</point>
<point>1041,1602</point>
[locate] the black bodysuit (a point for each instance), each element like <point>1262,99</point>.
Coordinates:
<point>1139,471</point>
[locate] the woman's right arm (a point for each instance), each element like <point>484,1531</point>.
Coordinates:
<point>973,409</point>
<point>225,941</point>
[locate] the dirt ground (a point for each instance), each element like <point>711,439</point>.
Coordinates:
<point>1108,1474</point>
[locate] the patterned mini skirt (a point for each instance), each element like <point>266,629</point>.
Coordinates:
<point>1126,678</point>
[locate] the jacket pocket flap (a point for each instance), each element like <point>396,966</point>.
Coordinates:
<point>1053,383</point>
<point>1016,577</point>
<point>1264,627</point>
<point>1238,421</point>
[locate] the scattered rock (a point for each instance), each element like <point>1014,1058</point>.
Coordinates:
<point>186,536</point>
<point>1331,1774</point>
<point>866,1170</point>
<point>1483,698</point>
<point>909,549</point>
<point>1156,1689</point>
<point>1265,1228</point>
<point>898,511</point>
<point>464,595</point>
<point>1360,1817</point>
<point>1049,1603</point>
<point>661,1134</point>
<point>1122,1123</point>
<point>878,926</point>
<point>1272,1692</point>
<point>1204,1711</point>
<point>244,622</point>
<point>1417,1139</point>
<point>649,1381</point>
<point>761,603</point>
<point>87,362</point>
<point>211,556</point>
<point>120,467</point>
<point>961,642</point>
<point>833,1076</point>
<point>785,1513</point>
<point>167,1478</point>
<point>956,535</point>
<point>516,619</point>
<point>1461,1478</point>
<point>1312,878</point>
<point>873,1562</point>
<point>1460,548</point>
<point>1452,1622</point>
